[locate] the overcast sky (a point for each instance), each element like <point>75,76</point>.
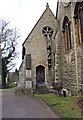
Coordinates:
<point>23,14</point>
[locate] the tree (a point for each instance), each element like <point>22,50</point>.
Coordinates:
<point>15,76</point>
<point>8,38</point>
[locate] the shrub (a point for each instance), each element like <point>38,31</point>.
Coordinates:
<point>57,86</point>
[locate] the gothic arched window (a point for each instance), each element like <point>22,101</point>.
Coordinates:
<point>78,15</point>
<point>67,34</point>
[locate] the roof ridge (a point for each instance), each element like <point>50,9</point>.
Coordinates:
<point>47,7</point>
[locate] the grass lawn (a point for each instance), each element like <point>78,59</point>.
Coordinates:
<point>66,107</point>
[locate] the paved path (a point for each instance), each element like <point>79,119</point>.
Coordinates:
<point>24,106</point>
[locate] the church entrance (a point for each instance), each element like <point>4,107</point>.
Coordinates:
<point>40,75</point>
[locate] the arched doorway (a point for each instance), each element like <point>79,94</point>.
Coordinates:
<point>40,75</point>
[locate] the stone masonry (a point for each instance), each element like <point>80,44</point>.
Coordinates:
<point>65,66</point>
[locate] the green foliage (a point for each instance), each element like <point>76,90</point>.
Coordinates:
<point>4,69</point>
<point>9,85</point>
<point>15,76</point>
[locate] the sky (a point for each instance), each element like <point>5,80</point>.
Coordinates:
<point>23,14</point>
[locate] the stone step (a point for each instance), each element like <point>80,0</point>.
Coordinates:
<point>42,89</point>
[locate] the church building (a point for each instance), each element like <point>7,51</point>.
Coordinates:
<point>54,49</point>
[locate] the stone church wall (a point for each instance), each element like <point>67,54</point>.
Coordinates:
<point>36,45</point>
<point>22,75</point>
<point>69,67</point>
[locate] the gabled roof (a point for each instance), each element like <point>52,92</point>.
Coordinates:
<point>47,7</point>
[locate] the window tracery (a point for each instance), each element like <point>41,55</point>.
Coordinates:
<point>67,34</point>
<point>48,32</point>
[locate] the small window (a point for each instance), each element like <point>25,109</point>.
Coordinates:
<point>67,34</point>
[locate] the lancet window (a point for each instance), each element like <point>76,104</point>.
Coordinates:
<point>67,34</point>
<point>78,15</point>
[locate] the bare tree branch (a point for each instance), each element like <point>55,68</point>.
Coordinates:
<point>8,38</point>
